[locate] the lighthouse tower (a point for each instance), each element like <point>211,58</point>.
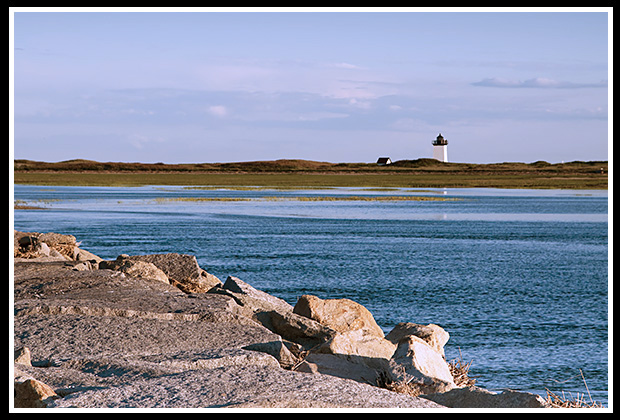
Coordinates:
<point>440,149</point>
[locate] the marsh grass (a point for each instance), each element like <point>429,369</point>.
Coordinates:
<point>201,199</point>
<point>35,205</point>
<point>361,198</point>
<point>254,188</point>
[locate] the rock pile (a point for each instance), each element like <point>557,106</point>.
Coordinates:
<point>49,247</point>
<point>159,331</point>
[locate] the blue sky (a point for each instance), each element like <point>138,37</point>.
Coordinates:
<point>207,86</point>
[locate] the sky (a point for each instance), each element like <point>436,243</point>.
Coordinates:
<point>206,85</point>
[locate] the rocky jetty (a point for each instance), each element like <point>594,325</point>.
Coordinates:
<point>158,331</point>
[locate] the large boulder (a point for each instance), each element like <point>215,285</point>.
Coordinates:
<point>306,332</point>
<point>341,315</point>
<point>415,362</point>
<point>31,393</point>
<point>356,331</point>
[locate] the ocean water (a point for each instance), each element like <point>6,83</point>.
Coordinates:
<point>519,278</point>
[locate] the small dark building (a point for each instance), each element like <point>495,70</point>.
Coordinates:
<point>384,161</point>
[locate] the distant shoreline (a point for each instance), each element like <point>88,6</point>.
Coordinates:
<point>420,173</point>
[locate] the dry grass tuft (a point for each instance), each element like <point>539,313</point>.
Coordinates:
<point>460,372</point>
<point>570,401</point>
<point>410,388</point>
<point>578,401</point>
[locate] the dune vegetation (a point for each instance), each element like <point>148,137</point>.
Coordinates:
<point>287,173</point>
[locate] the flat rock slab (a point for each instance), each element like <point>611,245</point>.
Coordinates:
<point>243,386</point>
<point>58,338</point>
<point>47,287</point>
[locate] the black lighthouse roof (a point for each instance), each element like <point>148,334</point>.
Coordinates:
<point>440,141</point>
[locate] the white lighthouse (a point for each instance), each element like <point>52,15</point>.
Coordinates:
<point>440,149</point>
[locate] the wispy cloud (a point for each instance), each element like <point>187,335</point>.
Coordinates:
<point>344,65</point>
<point>538,83</point>
<point>218,111</point>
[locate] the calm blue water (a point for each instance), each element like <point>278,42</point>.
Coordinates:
<point>519,278</point>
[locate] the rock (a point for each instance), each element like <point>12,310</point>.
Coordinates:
<point>359,343</point>
<point>432,334</point>
<point>275,314</point>
<point>296,328</point>
<point>64,245</point>
<point>56,239</point>
<point>415,361</point>
<point>475,397</point>
<point>33,394</point>
<point>83,255</point>
<point>182,270</point>
<point>25,239</point>
<point>258,300</point>
<point>83,266</point>
<point>356,331</point>
<point>130,267</point>
<point>44,249</point>
<point>143,270</point>
<point>213,359</point>
<point>61,313</point>
<point>341,315</point>
<point>49,247</point>
<point>276,349</point>
<point>359,369</point>
<point>22,356</point>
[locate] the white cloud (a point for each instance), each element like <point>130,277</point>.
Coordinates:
<point>360,104</point>
<point>537,82</point>
<point>219,111</point>
<point>344,66</point>
<point>140,141</point>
